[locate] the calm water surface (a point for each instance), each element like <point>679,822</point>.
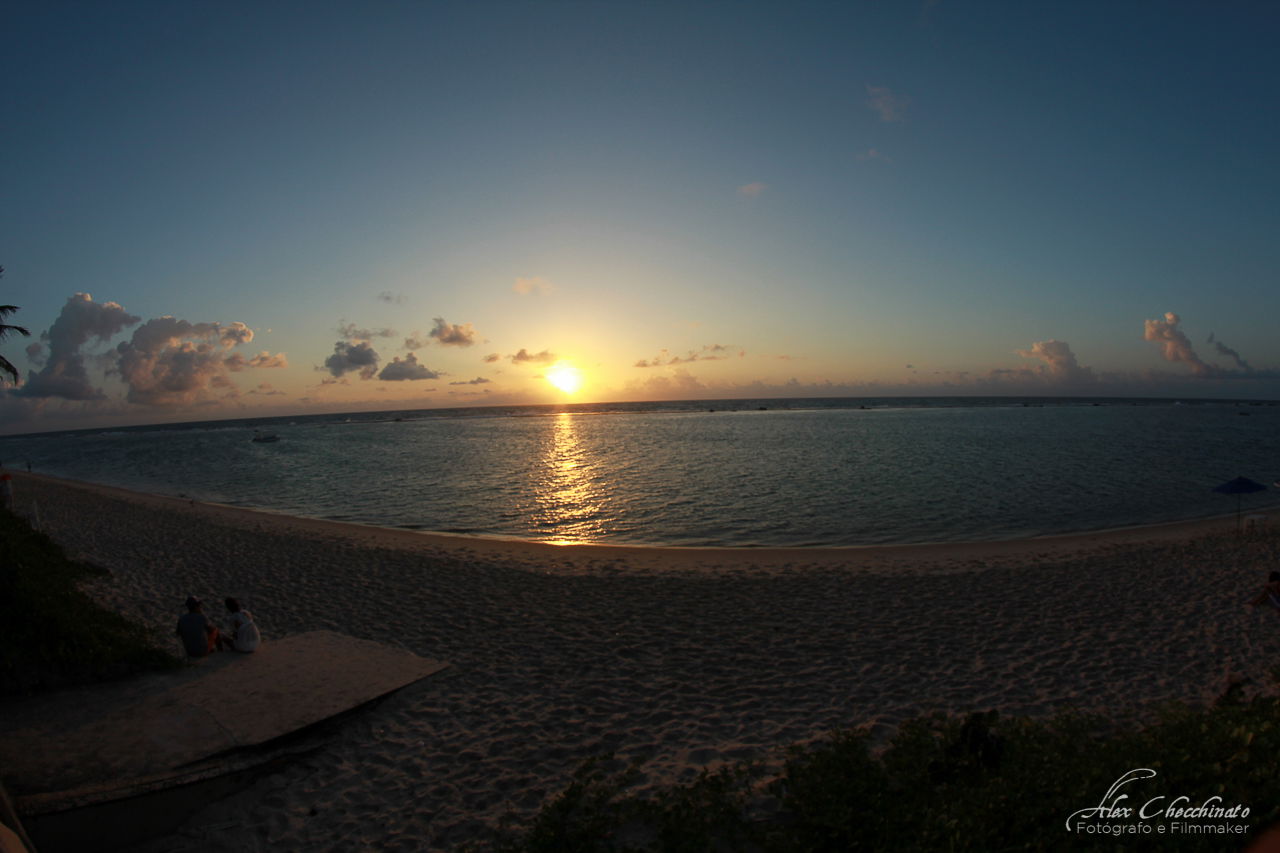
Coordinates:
<point>817,473</point>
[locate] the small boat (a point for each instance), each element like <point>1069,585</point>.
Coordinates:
<point>264,437</point>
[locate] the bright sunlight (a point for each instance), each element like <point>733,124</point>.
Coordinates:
<point>566,377</point>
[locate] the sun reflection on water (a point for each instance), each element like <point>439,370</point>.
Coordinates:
<point>569,496</point>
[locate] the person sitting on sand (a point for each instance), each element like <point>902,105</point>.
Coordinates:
<point>199,635</point>
<point>1270,593</point>
<point>242,633</point>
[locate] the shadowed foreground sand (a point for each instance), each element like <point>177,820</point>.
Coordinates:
<point>685,658</point>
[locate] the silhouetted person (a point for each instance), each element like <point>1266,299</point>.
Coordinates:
<point>199,635</point>
<point>242,633</point>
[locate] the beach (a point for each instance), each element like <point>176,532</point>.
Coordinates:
<point>684,658</point>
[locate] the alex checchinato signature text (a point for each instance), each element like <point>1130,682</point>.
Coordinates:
<point>1169,814</point>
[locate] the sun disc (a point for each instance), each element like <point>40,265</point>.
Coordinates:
<point>565,377</point>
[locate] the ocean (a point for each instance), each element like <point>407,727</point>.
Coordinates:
<point>749,473</point>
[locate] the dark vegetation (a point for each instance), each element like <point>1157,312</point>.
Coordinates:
<point>54,634</point>
<point>981,783</point>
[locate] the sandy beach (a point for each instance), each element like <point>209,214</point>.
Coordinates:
<point>683,658</point>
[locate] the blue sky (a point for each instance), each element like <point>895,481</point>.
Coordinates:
<point>677,200</point>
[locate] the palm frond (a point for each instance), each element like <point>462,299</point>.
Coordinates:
<point>5,311</point>
<point>6,367</point>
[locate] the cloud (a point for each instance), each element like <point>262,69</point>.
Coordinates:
<point>873,154</point>
<point>171,362</point>
<point>526,357</point>
<point>1223,349</point>
<point>236,362</point>
<point>392,298</point>
<point>351,332</point>
<point>1175,346</point>
<point>752,190</point>
<point>348,358</point>
<point>415,341</point>
<point>406,369</point>
<point>890,107</point>
<point>80,321</point>
<point>35,353</point>
<point>1059,362</point>
<point>491,358</point>
<point>447,334</point>
<point>709,352</point>
<point>166,362</point>
<point>265,389</point>
<point>233,335</point>
<point>680,382</point>
<point>479,380</point>
<point>533,285</point>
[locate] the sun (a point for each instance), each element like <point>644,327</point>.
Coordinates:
<point>566,377</point>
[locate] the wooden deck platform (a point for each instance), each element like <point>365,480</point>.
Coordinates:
<point>94,745</point>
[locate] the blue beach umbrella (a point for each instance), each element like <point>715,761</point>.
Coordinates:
<point>1239,486</point>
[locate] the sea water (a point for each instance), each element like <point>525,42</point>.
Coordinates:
<point>704,473</point>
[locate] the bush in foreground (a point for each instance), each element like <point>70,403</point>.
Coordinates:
<point>981,783</point>
<point>54,634</point>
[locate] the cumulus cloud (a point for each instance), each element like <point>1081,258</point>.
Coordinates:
<point>889,106</point>
<point>166,362</point>
<point>479,380</point>
<point>236,362</point>
<point>350,358</point>
<point>392,298</point>
<point>233,335</point>
<point>491,358</point>
<point>752,190</point>
<point>709,352</point>
<point>1175,346</point>
<point>415,341</point>
<point>448,334</point>
<point>533,285</point>
<point>352,332</point>
<point>406,369</point>
<point>35,353</point>
<point>526,357</point>
<point>171,362</point>
<point>1059,361</point>
<point>80,321</point>
<point>265,389</point>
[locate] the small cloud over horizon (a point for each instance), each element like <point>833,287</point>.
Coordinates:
<point>349,358</point>
<point>709,352</point>
<point>526,357</point>
<point>352,332</point>
<point>449,334</point>
<point>406,369</point>
<point>531,285</point>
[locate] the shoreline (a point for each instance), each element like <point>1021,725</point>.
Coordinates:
<point>669,557</point>
<point>677,659</point>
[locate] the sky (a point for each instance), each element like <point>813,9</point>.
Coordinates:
<point>236,209</point>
